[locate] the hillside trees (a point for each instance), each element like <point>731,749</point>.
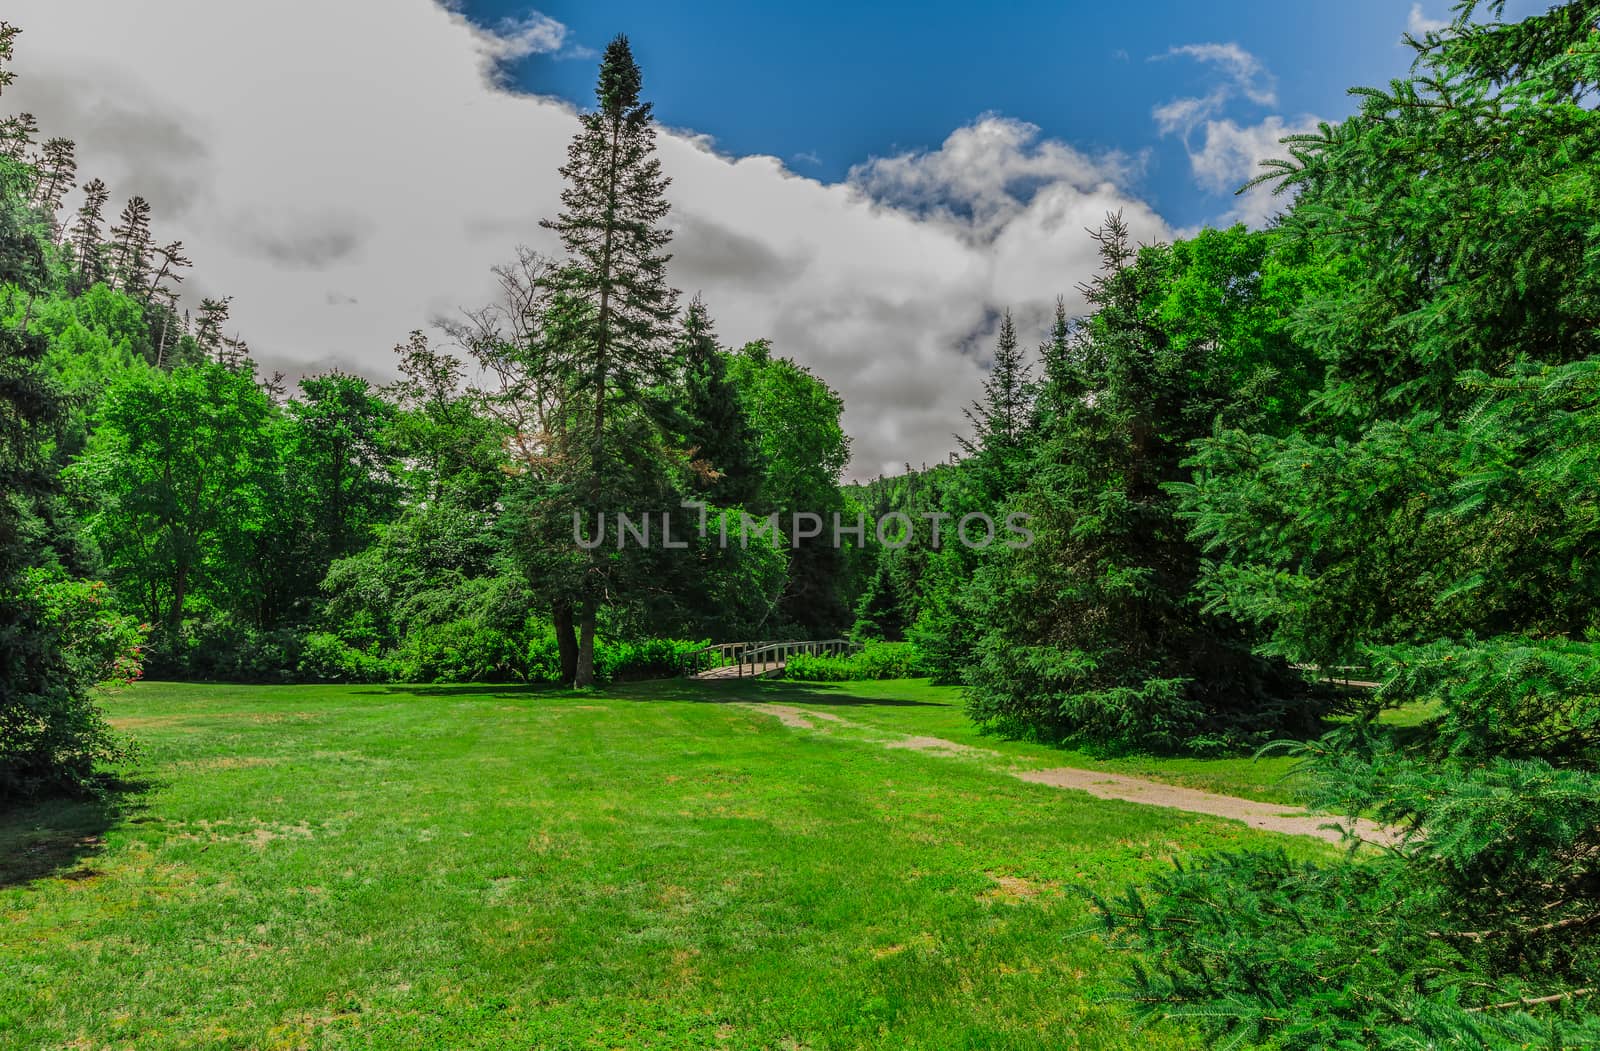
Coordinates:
<point>57,640</point>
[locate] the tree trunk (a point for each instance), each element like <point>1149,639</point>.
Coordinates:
<point>179,586</point>
<point>566,641</point>
<point>585,671</point>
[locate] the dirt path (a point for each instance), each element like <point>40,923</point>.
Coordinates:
<point>1269,817</point>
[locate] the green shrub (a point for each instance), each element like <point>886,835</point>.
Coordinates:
<point>613,661</point>
<point>217,648</point>
<point>645,659</point>
<point>876,660</point>
<point>464,650</point>
<point>327,658</point>
<point>60,640</point>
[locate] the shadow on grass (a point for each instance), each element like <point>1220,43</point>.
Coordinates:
<point>501,689</point>
<point>729,691</point>
<point>59,837</point>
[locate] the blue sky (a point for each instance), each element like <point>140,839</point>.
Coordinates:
<point>826,85</point>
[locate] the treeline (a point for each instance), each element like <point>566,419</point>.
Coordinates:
<point>170,510</point>
<point>1365,441</point>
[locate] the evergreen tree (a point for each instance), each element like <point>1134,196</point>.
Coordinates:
<point>1055,393</point>
<point>726,460</point>
<point>58,167</point>
<point>163,295</point>
<point>611,306</point>
<point>17,137</point>
<point>1431,517</point>
<point>88,237</point>
<point>130,260</point>
<point>880,613</point>
<point>1091,631</point>
<point>1000,419</point>
<point>208,329</point>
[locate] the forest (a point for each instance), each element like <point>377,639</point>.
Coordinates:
<point>1360,444</point>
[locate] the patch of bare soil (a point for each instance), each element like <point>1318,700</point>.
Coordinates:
<point>1269,817</point>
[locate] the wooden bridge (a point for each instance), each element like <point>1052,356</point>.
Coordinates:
<point>738,660</point>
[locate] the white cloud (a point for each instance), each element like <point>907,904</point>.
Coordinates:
<point>366,188</point>
<point>1230,155</point>
<point>1242,74</point>
<point>1419,24</point>
<point>984,176</point>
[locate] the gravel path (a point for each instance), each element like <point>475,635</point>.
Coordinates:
<point>1269,817</point>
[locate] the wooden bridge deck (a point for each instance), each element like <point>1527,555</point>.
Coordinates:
<point>738,660</point>
<point>735,671</point>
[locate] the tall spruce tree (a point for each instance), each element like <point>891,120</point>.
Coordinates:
<point>1001,416</point>
<point>611,308</point>
<point>58,167</point>
<point>208,328</point>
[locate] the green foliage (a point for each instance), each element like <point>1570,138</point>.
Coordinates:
<point>803,450</point>
<point>1432,518</point>
<point>175,484</point>
<point>875,660</point>
<point>61,641</point>
<point>325,657</point>
<point>1091,632</point>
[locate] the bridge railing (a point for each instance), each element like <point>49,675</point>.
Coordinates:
<point>756,657</point>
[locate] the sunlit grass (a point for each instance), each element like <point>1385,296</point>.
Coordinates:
<point>465,867</point>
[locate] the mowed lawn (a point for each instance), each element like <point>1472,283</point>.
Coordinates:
<point>489,867</point>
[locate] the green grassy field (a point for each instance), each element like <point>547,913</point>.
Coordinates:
<point>649,867</point>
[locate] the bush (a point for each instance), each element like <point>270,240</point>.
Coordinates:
<point>876,660</point>
<point>327,658</point>
<point>465,650</point>
<point>646,659</point>
<point>613,661</point>
<point>216,648</point>
<point>59,641</point>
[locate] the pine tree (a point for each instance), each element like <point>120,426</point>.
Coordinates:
<point>611,307</point>
<point>714,424</point>
<point>88,238</point>
<point>1000,418</point>
<point>1091,631</point>
<point>208,328</point>
<point>1056,393</point>
<point>58,167</point>
<point>130,265</point>
<point>1431,515</point>
<point>163,292</point>
<point>17,136</point>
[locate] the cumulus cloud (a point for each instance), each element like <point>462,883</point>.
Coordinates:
<point>984,175</point>
<point>365,189</point>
